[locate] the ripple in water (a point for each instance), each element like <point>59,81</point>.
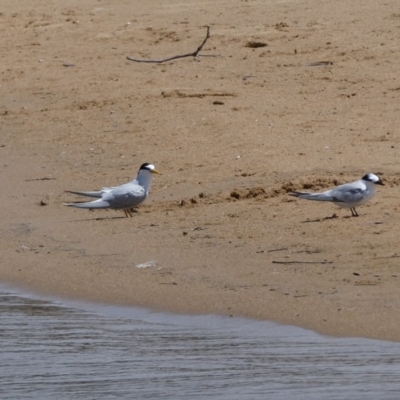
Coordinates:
<point>52,350</point>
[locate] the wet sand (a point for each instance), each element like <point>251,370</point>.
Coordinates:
<point>314,104</point>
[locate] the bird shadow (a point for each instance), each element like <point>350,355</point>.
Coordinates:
<point>100,219</point>
<point>109,218</point>
<point>333,216</point>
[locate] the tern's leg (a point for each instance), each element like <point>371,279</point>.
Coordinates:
<point>354,213</point>
<point>126,214</point>
<point>129,211</point>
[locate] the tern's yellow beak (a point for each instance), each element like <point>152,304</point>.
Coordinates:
<point>154,171</point>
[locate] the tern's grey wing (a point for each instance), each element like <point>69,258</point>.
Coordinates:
<point>97,194</point>
<point>100,203</point>
<point>312,196</point>
<point>125,196</point>
<point>347,194</point>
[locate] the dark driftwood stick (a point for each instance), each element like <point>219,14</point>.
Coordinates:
<point>283,248</point>
<point>193,54</point>
<point>381,258</point>
<point>302,262</point>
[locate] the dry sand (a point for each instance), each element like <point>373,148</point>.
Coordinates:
<point>231,134</point>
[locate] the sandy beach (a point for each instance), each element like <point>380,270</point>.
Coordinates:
<point>293,95</point>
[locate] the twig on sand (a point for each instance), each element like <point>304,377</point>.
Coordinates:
<point>194,54</point>
<point>302,262</point>
<point>381,258</point>
<point>281,249</point>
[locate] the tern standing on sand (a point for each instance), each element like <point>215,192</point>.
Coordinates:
<point>124,197</point>
<point>349,195</point>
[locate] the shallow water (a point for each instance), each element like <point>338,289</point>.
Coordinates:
<point>71,350</point>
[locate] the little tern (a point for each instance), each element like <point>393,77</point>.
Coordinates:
<point>124,197</point>
<point>349,195</point>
